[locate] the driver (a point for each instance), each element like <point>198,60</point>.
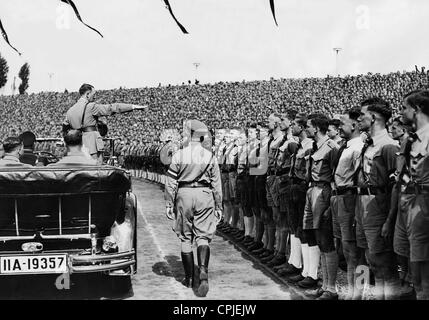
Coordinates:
<point>28,139</point>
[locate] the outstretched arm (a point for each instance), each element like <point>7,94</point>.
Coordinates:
<point>112,108</point>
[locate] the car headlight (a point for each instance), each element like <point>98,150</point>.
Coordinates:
<point>109,244</point>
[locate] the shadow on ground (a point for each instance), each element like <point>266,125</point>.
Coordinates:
<point>173,267</point>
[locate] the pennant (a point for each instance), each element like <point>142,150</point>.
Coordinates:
<point>167,3</point>
<point>6,38</point>
<point>273,10</point>
<point>70,2</point>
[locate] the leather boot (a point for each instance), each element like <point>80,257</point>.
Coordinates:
<point>188,266</point>
<point>203,253</point>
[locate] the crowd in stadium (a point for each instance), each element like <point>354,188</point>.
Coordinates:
<point>219,105</point>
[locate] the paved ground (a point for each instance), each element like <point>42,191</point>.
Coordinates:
<point>233,275</point>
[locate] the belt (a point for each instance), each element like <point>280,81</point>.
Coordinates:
<point>344,191</point>
<point>371,191</point>
<point>298,181</point>
<point>194,185</point>
<point>318,184</point>
<point>89,129</point>
<point>415,189</point>
<point>282,172</point>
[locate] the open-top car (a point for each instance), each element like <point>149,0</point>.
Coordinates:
<point>67,219</point>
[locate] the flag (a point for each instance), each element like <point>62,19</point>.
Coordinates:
<point>167,3</point>
<point>6,38</point>
<point>273,10</point>
<point>71,3</point>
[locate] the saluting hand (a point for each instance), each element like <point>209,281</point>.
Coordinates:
<point>137,107</point>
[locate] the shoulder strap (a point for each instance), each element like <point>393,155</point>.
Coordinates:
<point>83,115</point>
<point>204,171</point>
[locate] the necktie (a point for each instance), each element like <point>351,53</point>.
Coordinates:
<point>340,152</point>
<point>313,151</point>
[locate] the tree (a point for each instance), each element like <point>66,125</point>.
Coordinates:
<point>24,75</point>
<point>4,69</point>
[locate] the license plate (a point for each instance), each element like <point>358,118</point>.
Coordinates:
<point>33,264</point>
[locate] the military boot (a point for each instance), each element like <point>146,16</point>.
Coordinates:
<point>188,266</point>
<point>203,253</point>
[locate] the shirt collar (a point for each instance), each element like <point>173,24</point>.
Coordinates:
<point>306,141</point>
<point>423,132</point>
<point>354,141</point>
<point>278,135</point>
<point>322,142</point>
<point>380,136</point>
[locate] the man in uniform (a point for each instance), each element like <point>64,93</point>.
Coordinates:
<point>258,165</point>
<point>13,149</point>
<point>193,188</point>
<point>243,185</point>
<point>287,148</point>
<point>28,139</point>
<point>273,213</point>
<point>299,250</point>
<point>411,238</point>
<point>344,193</point>
<point>375,182</point>
<point>84,114</point>
<point>317,224</point>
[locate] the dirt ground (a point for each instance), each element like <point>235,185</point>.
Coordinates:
<point>232,275</point>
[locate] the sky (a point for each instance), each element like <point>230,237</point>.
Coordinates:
<point>232,40</point>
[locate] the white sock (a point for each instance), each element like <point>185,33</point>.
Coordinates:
<point>314,257</point>
<point>246,226</point>
<point>251,223</point>
<point>305,259</point>
<point>295,257</point>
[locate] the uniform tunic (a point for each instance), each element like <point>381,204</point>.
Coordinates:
<point>343,205</point>
<point>92,140</point>
<point>412,225</point>
<point>272,183</point>
<point>194,206</point>
<point>378,166</point>
<point>320,172</point>
<point>298,173</point>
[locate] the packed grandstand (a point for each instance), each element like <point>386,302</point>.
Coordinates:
<point>220,105</point>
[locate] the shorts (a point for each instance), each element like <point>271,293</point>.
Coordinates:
<point>343,216</point>
<point>272,191</point>
<point>413,217</point>
<point>250,192</point>
<point>284,184</point>
<point>371,213</point>
<point>260,192</point>
<point>318,200</point>
<point>296,208</point>
<point>324,235</point>
<point>242,194</point>
<point>226,189</point>
<point>401,243</point>
<point>233,185</point>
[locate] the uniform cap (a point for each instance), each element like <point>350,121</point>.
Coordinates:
<point>196,128</point>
